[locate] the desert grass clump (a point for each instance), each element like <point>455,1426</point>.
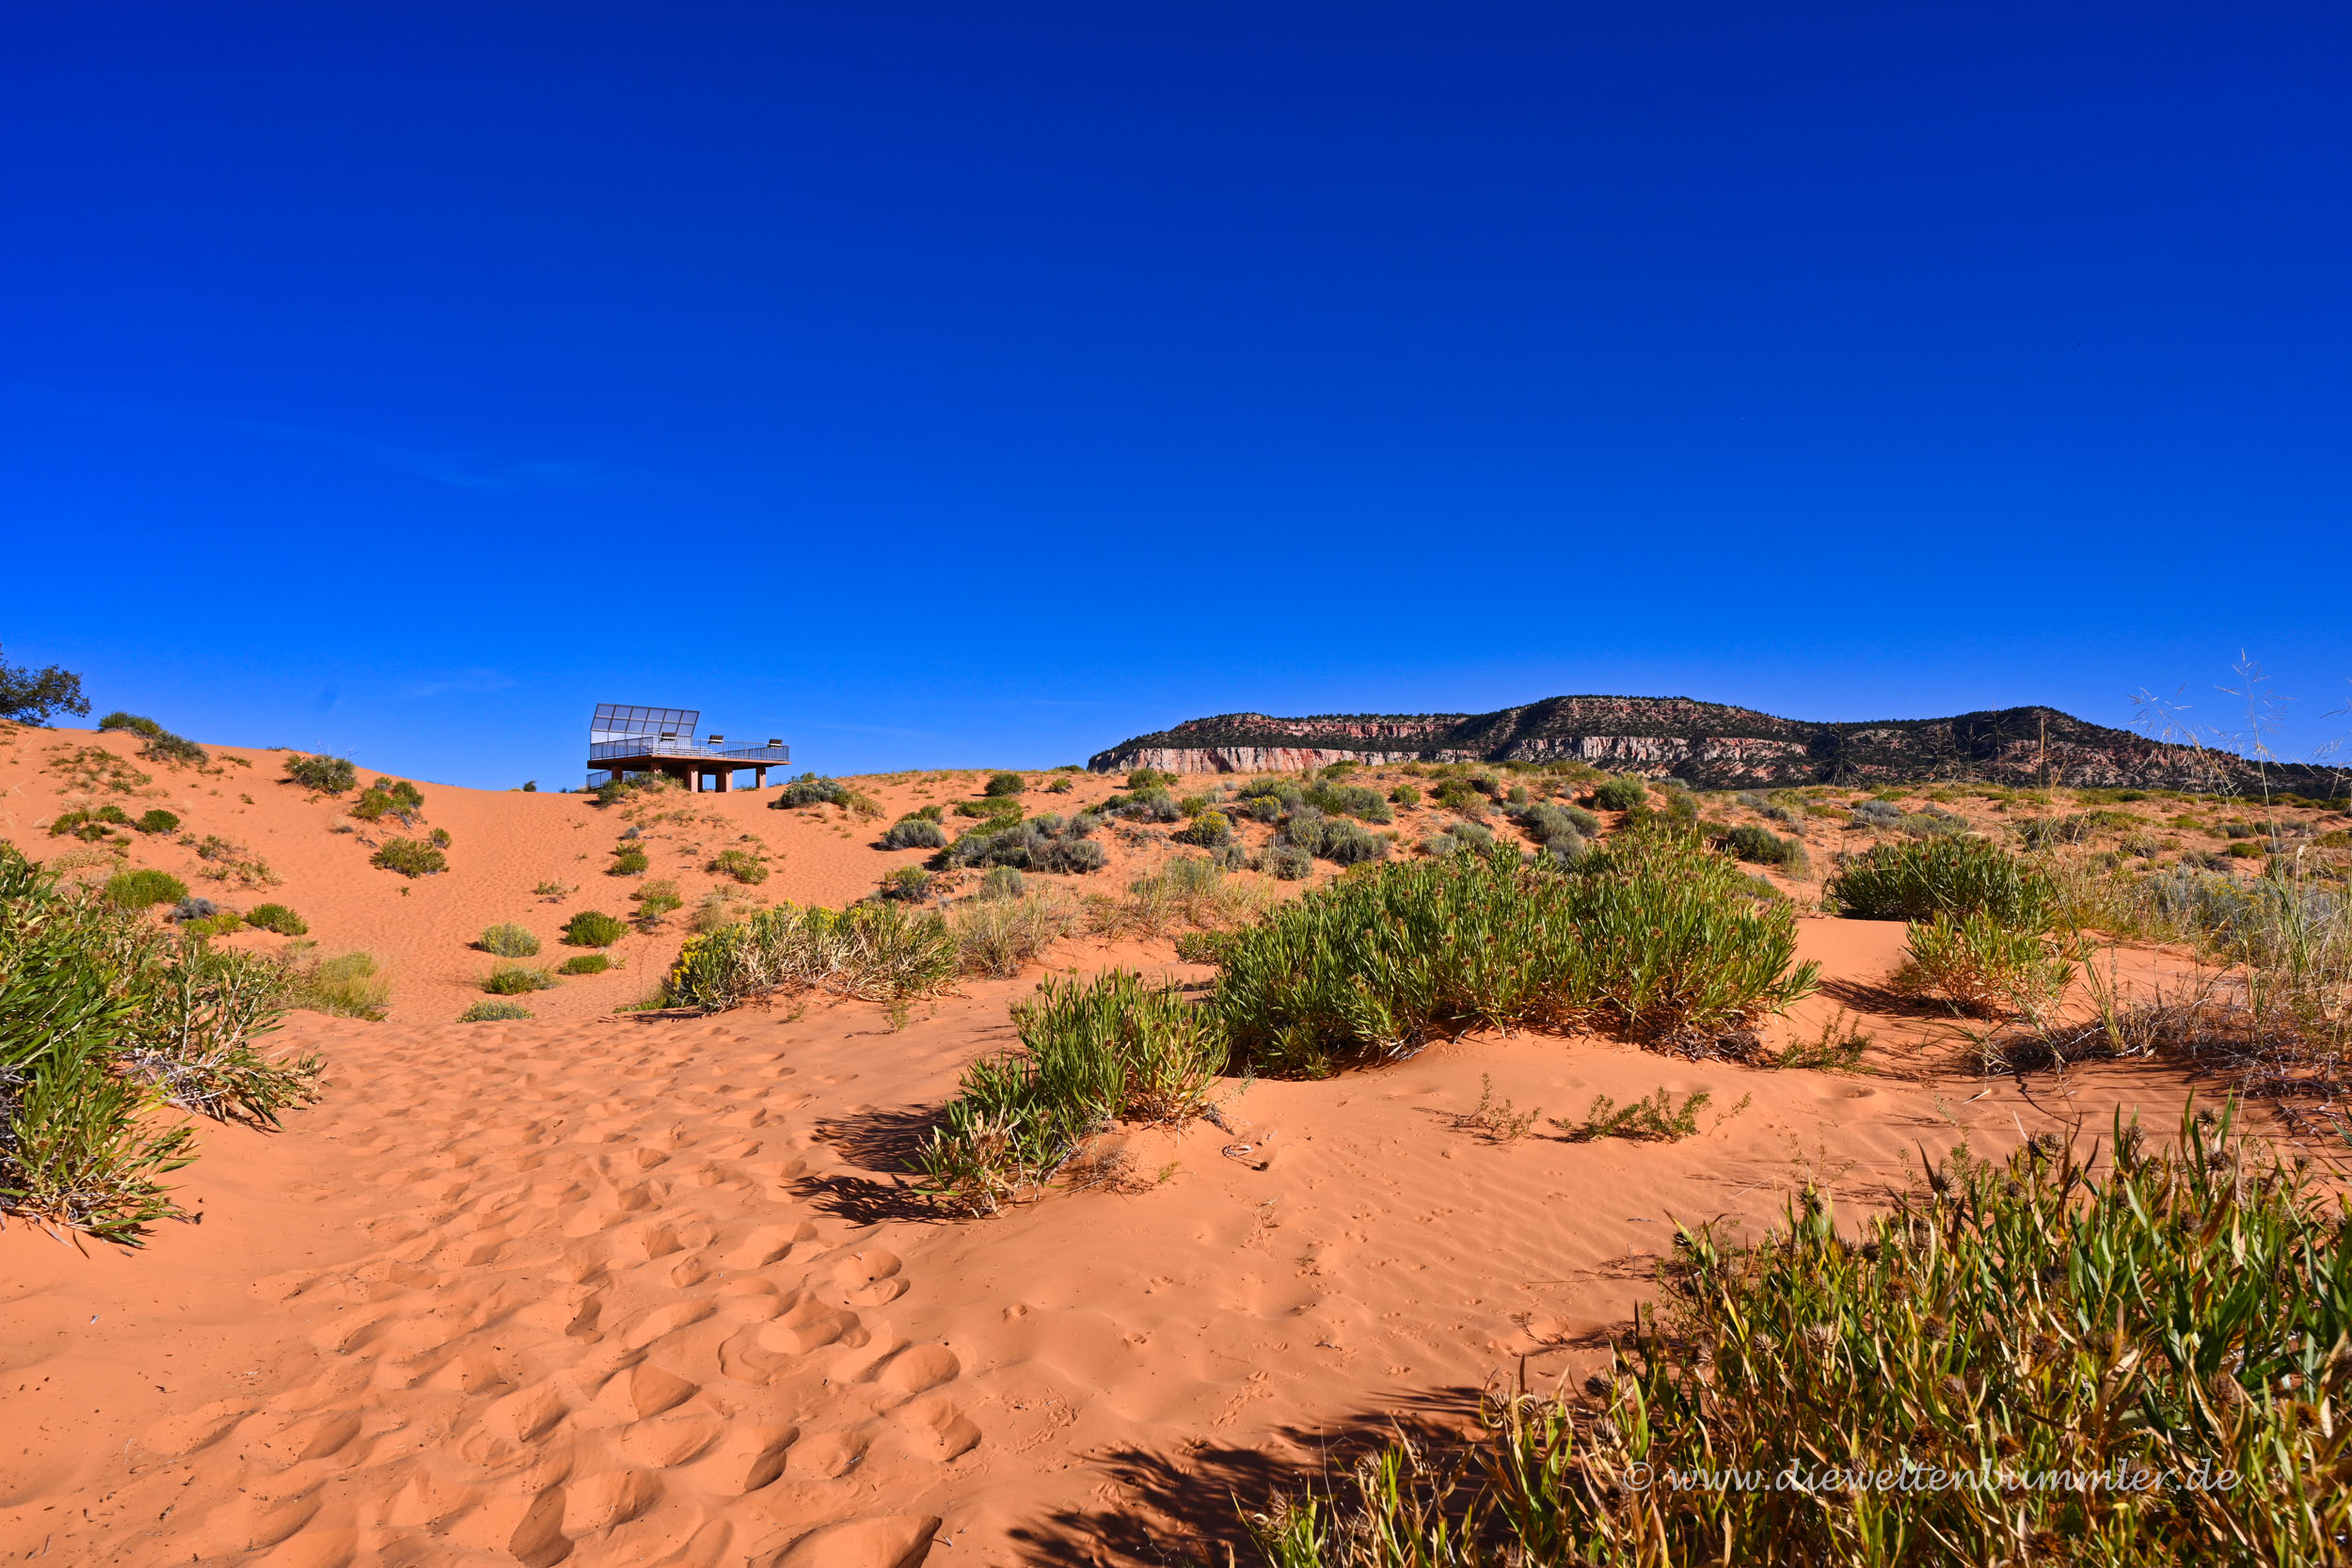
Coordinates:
<point>1093,1051</point>
<point>509,941</point>
<point>1005,783</point>
<point>1191,892</point>
<point>1944,876</point>
<point>277,918</point>
<point>629,861</point>
<point>594,928</point>
<point>409,857</point>
<point>1047,842</point>
<point>391,798</point>
<point>875,952</point>
<point>1626,794</point>
<point>741,864</point>
<point>1654,937</point>
<point>347,985</point>
<point>494,1012</point>
<point>1984,968</point>
<point>584,963</point>
<point>516,980</point>
<point>1656,1120</point>
<point>144,889</point>
<point>157,821</point>
<point>102,1015</point>
<point>914,832</point>
<point>654,900</point>
<point>909,884</point>
<point>1002,881</point>
<point>2136,1361</point>
<point>328,775</point>
<point>996,937</point>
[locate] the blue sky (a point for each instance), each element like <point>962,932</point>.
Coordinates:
<point>969,386</point>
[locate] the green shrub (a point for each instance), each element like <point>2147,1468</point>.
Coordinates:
<point>1265,808</point>
<point>654,900</point>
<point>387,798</point>
<point>509,942</point>
<point>1092,1052</point>
<point>1350,800</point>
<point>1655,937</point>
<point>1287,863</point>
<point>1002,881</point>
<point>1548,824</point>
<point>101,1015</point>
<point>910,884</point>
<point>1625,794</point>
<point>515,979</point>
<point>326,774</point>
<point>810,789</point>
<point>1149,805</point>
<point>584,963</point>
<point>997,935</point>
<point>133,723</point>
<point>629,861</point>
<point>494,1012</point>
<point>157,821</point>
<point>874,952</point>
<point>1657,1119</point>
<point>2037,1359</point>
<point>92,826</point>
<point>1944,876</point>
<point>345,985</point>
<point>1045,842</point>
<point>140,889</point>
<point>1756,846</point>
<point>1005,783</point>
<point>1208,830</point>
<point>2246,849</point>
<point>741,864</point>
<point>593,928</point>
<point>277,918</point>
<point>914,832</point>
<point>409,857</point>
<point>1983,967</point>
<point>1404,795</point>
<point>1150,778</point>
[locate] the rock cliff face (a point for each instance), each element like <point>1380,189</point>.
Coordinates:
<point>1714,747</point>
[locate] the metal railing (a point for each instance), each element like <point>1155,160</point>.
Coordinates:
<point>660,746</point>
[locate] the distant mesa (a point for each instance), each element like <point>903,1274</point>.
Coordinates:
<point>1715,746</point>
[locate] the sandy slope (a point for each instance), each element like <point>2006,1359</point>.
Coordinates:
<point>625,1289</point>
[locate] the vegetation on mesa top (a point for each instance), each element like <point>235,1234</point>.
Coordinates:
<point>1715,745</point>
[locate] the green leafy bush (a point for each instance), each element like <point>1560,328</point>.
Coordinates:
<point>516,980</point>
<point>1549,824</point>
<point>1208,830</point>
<point>1287,863</point>
<point>593,928</point>
<point>654,900</point>
<point>1002,881</point>
<point>875,952</point>
<point>409,857</point>
<point>811,789</point>
<point>142,889</point>
<point>1092,1051</point>
<point>1654,937</point>
<point>584,963</point>
<point>1404,795</point>
<point>908,883</point>
<point>629,861</point>
<point>91,826</point>
<point>1005,783</point>
<point>347,985</point>
<point>326,774</point>
<point>741,864</point>
<point>101,1015</point>
<point>1265,808</point>
<point>509,942</point>
<point>1944,876</point>
<point>133,723</point>
<point>157,820</point>
<point>1150,778</point>
<point>1983,967</point>
<point>1045,842</point>
<point>277,918</point>
<point>1149,805</point>
<point>1756,845</point>
<point>914,832</point>
<point>1626,794</point>
<point>1350,800</point>
<point>494,1012</point>
<point>2047,1359</point>
<point>388,798</point>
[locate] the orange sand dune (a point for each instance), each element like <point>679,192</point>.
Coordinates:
<point>617,1290</point>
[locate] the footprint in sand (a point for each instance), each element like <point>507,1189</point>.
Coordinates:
<point>936,1430</point>
<point>768,1244</point>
